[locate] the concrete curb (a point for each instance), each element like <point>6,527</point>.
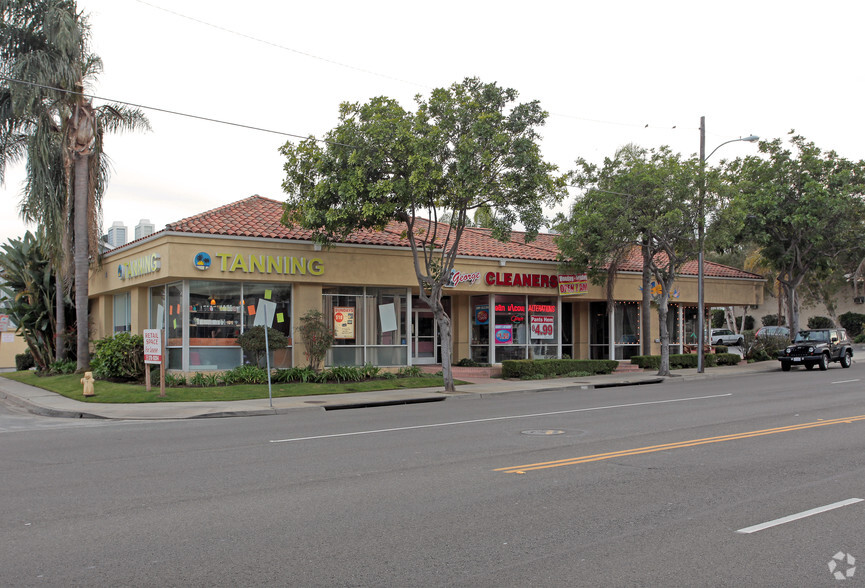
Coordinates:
<point>44,403</point>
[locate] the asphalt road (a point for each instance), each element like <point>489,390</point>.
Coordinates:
<point>657,485</point>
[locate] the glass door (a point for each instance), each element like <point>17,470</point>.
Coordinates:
<point>423,342</point>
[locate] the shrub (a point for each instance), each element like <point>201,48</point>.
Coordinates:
<point>120,357</point>
<point>719,319</point>
<point>174,380</point>
<point>316,334</point>
<point>859,338</point>
<point>517,368</point>
<point>771,320</point>
<point>253,344</point>
<point>467,362</point>
<point>766,348</point>
<point>370,371</point>
<point>410,372</point>
<point>63,367</point>
<point>343,373</point>
<point>296,374</point>
<point>197,380</point>
<point>749,323</point>
<point>245,374</point>
<point>853,322</point>
<point>680,361</point>
<point>24,361</point>
<point>820,322</point>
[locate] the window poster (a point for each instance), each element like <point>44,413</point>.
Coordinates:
<point>504,334</point>
<point>343,322</point>
<point>482,314</point>
<point>543,327</point>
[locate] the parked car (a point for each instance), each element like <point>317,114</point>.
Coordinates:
<point>817,347</point>
<point>726,337</point>
<point>764,332</point>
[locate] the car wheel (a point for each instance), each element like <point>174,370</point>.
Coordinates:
<point>719,342</point>
<point>785,367</point>
<point>740,342</point>
<point>824,362</point>
<point>846,359</point>
<point>809,366</point>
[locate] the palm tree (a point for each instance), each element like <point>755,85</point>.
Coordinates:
<point>44,116</point>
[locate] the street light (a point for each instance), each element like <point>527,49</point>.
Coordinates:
<point>701,306</point>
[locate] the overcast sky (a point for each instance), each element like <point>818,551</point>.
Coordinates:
<point>604,71</point>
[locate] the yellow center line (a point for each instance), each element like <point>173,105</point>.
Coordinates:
<point>678,445</point>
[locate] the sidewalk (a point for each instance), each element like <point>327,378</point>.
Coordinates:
<point>43,402</point>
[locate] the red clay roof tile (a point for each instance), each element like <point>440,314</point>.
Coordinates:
<point>260,217</point>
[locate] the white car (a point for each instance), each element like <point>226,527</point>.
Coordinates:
<point>726,337</point>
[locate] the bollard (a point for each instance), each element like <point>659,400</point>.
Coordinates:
<point>87,380</point>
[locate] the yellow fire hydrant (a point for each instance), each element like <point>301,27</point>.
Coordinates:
<point>87,380</point>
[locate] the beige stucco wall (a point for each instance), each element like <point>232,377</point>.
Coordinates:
<point>9,349</point>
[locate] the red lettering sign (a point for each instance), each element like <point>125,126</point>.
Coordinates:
<point>526,280</point>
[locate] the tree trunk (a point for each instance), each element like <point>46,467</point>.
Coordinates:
<point>60,318</point>
<point>444,325</point>
<point>82,257</point>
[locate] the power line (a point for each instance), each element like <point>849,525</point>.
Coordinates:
<point>174,112</point>
<point>374,73</point>
<point>283,47</point>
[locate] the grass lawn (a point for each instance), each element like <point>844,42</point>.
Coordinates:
<point>111,392</point>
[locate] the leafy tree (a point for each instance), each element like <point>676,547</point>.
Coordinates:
<point>638,199</point>
<point>803,209</point>
<point>254,346</point>
<point>28,294</point>
<point>317,336</point>
<point>45,117</point>
<point>466,147</point>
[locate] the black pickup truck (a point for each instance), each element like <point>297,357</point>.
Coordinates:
<point>817,347</point>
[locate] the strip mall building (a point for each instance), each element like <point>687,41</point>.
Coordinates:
<point>206,279</point>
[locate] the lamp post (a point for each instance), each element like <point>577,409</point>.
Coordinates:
<point>701,229</point>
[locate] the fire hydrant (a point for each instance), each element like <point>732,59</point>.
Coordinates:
<point>87,380</point>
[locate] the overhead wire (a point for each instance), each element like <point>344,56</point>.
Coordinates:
<point>174,112</point>
<point>381,75</point>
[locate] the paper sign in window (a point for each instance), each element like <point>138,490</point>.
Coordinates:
<point>387,316</point>
<point>265,313</point>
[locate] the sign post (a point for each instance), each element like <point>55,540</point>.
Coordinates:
<point>153,354</point>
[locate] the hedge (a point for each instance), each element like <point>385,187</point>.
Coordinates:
<point>527,368</point>
<point>686,360</point>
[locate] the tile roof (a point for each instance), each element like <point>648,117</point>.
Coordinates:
<point>260,217</point>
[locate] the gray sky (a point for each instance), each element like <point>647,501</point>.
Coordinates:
<point>604,70</point>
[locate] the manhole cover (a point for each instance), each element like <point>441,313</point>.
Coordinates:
<point>543,432</point>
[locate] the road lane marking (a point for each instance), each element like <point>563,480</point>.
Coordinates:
<point>801,515</point>
<point>845,381</point>
<point>520,416</point>
<point>677,445</point>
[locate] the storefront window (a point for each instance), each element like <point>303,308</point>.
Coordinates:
<point>599,331</point>
<point>385,326</point>
<point>480,343</point>
<point>174,326</point>
<point>273,301</point>
<point>122,313</point>
<point>510,332</point>
<point>627,325</point>
<point>370,325</point>
<point>215,316</point>
<point>543,327</point>
<point>673,327</point>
